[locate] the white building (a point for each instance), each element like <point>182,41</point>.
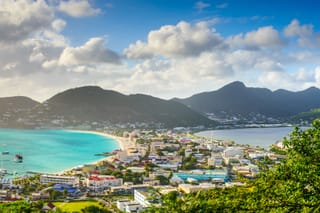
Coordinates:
<point>187,188</point>
<point>57,179</point>
<point>233,152</point>
<point>215,160</point>
<point>141,196</point>
<point>6,183</point>
<point>101,182</point>
<point>129,206</point>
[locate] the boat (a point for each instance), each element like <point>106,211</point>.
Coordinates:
<point>18,158</point>
<point>3,171</point>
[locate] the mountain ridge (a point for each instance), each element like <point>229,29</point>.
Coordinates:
<point>96,104</point>
<point>236,98</point>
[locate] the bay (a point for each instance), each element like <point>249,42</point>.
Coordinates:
<point>50,151</point>
<point>262,137</point>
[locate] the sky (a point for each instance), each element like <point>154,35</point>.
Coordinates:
<point>162,48</point>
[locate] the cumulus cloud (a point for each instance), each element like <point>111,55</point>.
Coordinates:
<point>306,36</point>
<point>298,80</point>
<point>20,18</point>
<point>264,37</point>
<point>93,51</point>
<point>183,39</point>
<point>78,8</point>
<point>294,29</point>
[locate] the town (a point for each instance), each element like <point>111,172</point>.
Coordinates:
<point>150,164</point>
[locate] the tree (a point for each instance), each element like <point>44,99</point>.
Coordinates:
<point>291,186</point>
<point>94,209</point>
<point>163,180</point>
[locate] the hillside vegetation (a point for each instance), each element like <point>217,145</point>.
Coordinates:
<point>292,186</point>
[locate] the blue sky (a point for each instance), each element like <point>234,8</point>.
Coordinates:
<point>162,48</point>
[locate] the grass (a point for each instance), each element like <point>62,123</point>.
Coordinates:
<point>75,206</point>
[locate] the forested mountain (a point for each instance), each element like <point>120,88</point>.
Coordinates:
<point>95,104</point>
<point>236,98</point>
<point>16,104</point>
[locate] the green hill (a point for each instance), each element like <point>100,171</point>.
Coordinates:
<point>93,103</point>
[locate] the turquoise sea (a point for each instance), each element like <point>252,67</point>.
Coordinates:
<point>50,150</point>
<point>262,137</point>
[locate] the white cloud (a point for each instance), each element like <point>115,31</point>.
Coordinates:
<point>317,75</point>
<point>264,37</point>
<point>306,36</point>
<point>92,52</point>
<point>200,5</point>
<point>78,8</point>
<point>139,50</point>
<point>295,29</point>
<point>58,25</point>
<point>21,18</point>
<point>183,39</point>
<point>295,81</point>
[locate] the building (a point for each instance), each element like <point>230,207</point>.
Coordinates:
<point>5,194</point>
<point>187,188</point>
<point>215,160</point>
<point>129,206</point>
<point>101,182</point>
<point>233,152</point>
<point>126,189</point>
<point>216,175</point>
<point>71,180</point>
<point>6,183</point>
<point>166,189</point>
<point>160,172</point>
<point>151,181</point>
<point>142,197</point>
<point>39,196</point>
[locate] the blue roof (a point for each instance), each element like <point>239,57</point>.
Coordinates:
<point>206,175</point>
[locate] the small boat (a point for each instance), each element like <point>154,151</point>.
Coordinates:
<point>3,171</point>
<point>5,152</point>
<point>18,158</point>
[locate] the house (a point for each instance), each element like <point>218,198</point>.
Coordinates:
<point>5,194</point>
<point>101,182</point>
<point>151,181</point>
<point>49,207</point>
<point>39,196</point>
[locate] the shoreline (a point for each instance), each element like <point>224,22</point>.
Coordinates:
<point>124,143</point>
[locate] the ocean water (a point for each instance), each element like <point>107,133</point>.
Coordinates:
<point>262,137</point>
<point>50,150</point>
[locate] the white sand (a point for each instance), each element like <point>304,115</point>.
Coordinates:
<point>124,144</point>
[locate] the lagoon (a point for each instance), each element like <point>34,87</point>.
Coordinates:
<point>50,151</point>
<point>262,137</point>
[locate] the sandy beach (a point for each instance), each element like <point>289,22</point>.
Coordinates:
<point>124,144</point>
